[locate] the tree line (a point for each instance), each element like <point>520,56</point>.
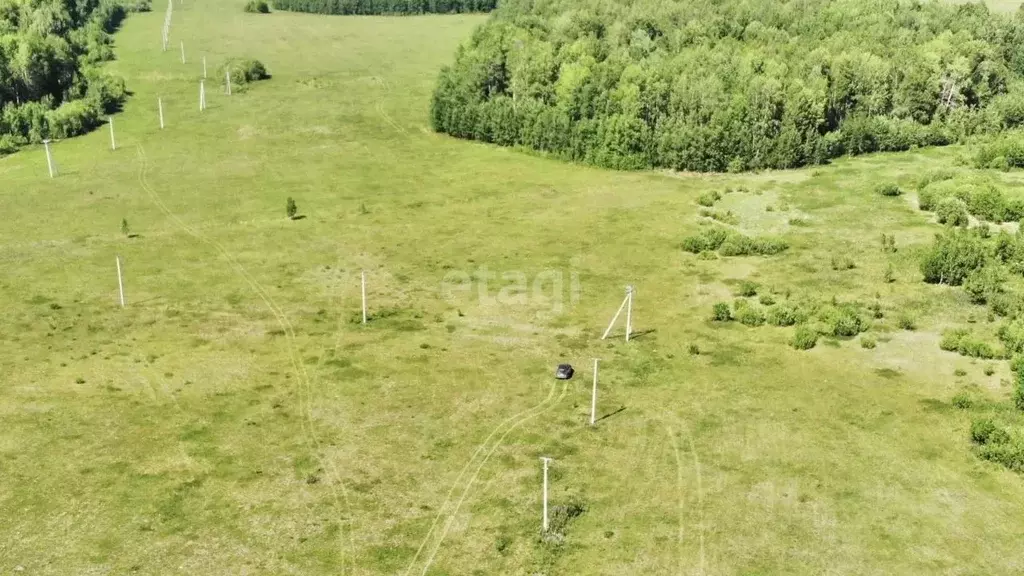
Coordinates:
<point>50,82</point>
<point>367,7</point>
<point>717,85</point>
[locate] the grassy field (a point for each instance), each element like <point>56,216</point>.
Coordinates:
<point>236,418</point>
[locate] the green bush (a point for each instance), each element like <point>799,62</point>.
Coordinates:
<point>257,7</point>
<point>889,189</point>
<point>982,429</point>
<point>983,283</point>
<point>752,315</point>
<point>747,289</point>
<point>1004,152</point>
<point>842,262</point>
<point>243,71</point>
<point>953,257</point>
<point>1017,364</point>
<point>1011,334</point>
<point>709,198</point>
<point>952,212</point>
<point>766,299</point>
<point>962,401</point>
<point>720,312</point>
<point>841,321</point>
<point>868,342</point>
<point>1018,393</point>
<point>781,315</point>
<point>708,239</point>
<point>804,338</point>
<point>291,209</point>
<point>906,322</point>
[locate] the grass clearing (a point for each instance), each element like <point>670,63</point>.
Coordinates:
<point>235,418</point>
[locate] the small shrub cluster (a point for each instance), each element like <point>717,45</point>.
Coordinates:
<point>257,7</point>
<point>996,444</point>
<point>966,344</point>
<point>906,322</point>
<point>748,314</point>
<point>721,312</point>
<point>747,289</point>
<point>888,243</point>
<point>243,71</point>
<point>843,262</point>
<point>709,198</point>
<point>952,212</point>
<point>984,283</point>
<point>979,196</point>
<point>726,217</point>
<point>804,338</point>
<point>1002,153</point>
<point>953,257</point>
<point>889,189</point>
<point>729,243</point>
<point>868,342</point>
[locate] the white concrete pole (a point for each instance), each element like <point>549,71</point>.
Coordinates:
<point>227,77</point>
<point>629,311</point>
<point>160,106</point>
<point>182,51</point>
<point>202,95</point>
<point>593,396</point>
<point>363,275</point>
<point>49,159</point>
<point>204,67</point>
<point>113,143</point>
<point>544,523</point>
<point>120,283</point>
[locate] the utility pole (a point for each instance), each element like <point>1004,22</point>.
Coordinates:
<point>120,283</point>
<point>363,276</point>
<point>49,159</point>
<point>160,105</point>
<point>593,396</point>
<point>113,144</point>
<point>546,460</point>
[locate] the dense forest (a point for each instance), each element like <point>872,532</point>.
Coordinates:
<point>50,86</point>
<point>385,6</point>
<point>716,85</point>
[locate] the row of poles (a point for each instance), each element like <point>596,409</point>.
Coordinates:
<point>51,164</point>
<point>627,304</point>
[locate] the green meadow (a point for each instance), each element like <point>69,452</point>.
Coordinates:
<point>237,417</point>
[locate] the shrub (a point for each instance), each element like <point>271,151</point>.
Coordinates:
<point>983,283</point>
<point>804,338</point>
<point>962,401</point>
<point>989,370</point>
<point>747,289</point>
<point>726,217</point>
<point>951,339</point>
<point>766,299</point>
<point>709,198</point>
<point>842,321</point>
<point>781,315</point>
<point>720,312</point>
<point>952,212</point>
<point>906,322</point>
<point>257,7</point>
<point>1017,364</point>
<point>889,189</point>
<point>708,239</point>
<point>1018,393</point>
<point>290,208</point>
<point>888,243</point>
<point>982,430</point>
<point>843,262</point>
<point>954,255</point>
<point>750,316</point>
<point>959,372</point>
<point>693,349</point>
<point>243,71</point>
<point>868,342</point>
<point>889,276</point>
<point>124,227</point>
<point>1011,334</point>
